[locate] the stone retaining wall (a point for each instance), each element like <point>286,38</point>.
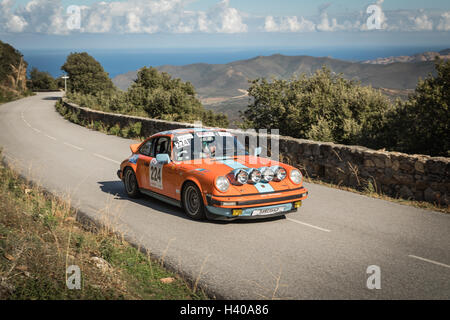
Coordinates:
<point>415,177</point>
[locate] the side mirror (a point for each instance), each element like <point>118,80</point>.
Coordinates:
<point>257,151</point>
<point>163,158</point>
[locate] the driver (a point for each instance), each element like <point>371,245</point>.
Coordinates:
<point>208,147</point>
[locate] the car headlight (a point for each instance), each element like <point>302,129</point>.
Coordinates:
<point>279,173</point>
<point>255,176</point>
<point>296,176</point>
<point>267,174</point>
<point>222,184</point>
<point>241,177</point>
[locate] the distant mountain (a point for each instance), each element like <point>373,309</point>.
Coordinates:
<point>229,80</point>
<point>222,87</point>
<point>420,57</point>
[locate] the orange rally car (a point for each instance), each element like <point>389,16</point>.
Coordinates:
<point>209,174</point>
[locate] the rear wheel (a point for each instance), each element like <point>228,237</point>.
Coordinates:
<point>131,184</point>
<point>193,201</point>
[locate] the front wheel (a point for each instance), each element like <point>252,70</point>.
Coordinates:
<point>131,184</point>
<point>193,201</point>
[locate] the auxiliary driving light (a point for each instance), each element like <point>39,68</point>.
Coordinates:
<point>255,176</point>
<point>242,177</point>
<point>279,173</point>
<point>267,174</point>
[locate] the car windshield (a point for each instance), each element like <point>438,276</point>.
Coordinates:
<point>207,144</point>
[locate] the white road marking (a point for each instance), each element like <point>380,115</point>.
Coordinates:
<point>73,146</point>
<point>50,137</point>
<point>430,261</point>
<point>37,130</point>
<point>27,123</point>
<point>308,225</point>
<point>106,158</point>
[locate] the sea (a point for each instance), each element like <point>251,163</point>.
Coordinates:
<point>119,61</point>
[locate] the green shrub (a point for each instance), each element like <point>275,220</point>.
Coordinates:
<point>125,132</point>
<point>324,106</point>
<point>136,129</point>
<point>154,95</point>
<point>422,124</point>
<point>86,75</point>
<point>42,80</point>
<point>114,130</point>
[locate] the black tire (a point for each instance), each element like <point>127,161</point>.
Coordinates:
<point>193,201</point>
<point>131,184</point>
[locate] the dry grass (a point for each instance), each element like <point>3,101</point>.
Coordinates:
<point>40,237</point>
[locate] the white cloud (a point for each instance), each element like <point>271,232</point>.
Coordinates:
<point>288,24</point>
<point>270,25</point>
<point>43,16</point>
<point>133,16</point>
<point>444,22</point>
<point>422,23</point>
<point>171,16</point>
<point>9,22</point>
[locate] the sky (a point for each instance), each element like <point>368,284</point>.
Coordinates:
<point>46,24</point>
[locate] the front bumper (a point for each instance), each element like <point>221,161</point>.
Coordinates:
<point>221,208</point>
<point>226,214</point>
<point>243,201</point>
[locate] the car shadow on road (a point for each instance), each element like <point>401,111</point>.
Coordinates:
<point>51,98</point>
<point>116,189</point>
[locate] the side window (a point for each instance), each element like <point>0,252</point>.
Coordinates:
<point>146,148</point>
<point>162,146</point>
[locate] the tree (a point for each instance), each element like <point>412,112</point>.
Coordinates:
<point>86,75</point>
<point>324,107</point>
<point>42,80</point>
<point>162,97</point>
<point>422,124</point>
<point>13,71</point>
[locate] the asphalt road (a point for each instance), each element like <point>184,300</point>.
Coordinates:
<point>321,252</point>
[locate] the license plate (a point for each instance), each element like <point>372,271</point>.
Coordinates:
<point>263,212</point>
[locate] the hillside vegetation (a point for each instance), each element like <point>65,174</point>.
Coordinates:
<point>41,80</point>
<point>40,237</point>
<point>153,94</point>
<point>13,73</point>
<point>328,107</point>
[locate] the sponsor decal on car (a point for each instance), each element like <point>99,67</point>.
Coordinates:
<point>156,174</point>
<point>134,159</point>
<point>205,134</point>
<point>184,137</point>
<point>224,134</point>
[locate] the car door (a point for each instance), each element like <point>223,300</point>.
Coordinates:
<point>162,176</point>
<point>143,163</point>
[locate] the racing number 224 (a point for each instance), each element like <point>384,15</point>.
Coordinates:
<point>155,174</point>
